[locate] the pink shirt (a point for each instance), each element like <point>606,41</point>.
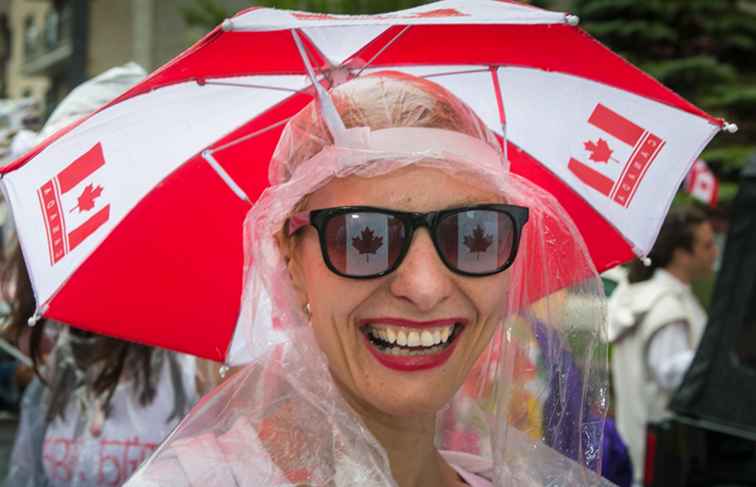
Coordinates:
<point>471,479</point>
<point>469,467</point>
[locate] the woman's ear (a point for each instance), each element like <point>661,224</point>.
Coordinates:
<point>288,248</point>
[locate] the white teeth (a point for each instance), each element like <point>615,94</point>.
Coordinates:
<point>411,338</point>
<point>426,338</point>
<point>390,336</point>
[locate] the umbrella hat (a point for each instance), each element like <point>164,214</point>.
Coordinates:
<point>131,219</point>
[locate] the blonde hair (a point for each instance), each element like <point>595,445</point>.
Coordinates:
<point>382,100</point>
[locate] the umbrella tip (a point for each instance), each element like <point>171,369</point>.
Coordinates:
<point>646,260</point>
<point>572,19</point>
<point>34,319</point>
<point>227,25</point>
<point>730,128</point>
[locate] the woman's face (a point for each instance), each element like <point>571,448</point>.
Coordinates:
<point>422,295</point>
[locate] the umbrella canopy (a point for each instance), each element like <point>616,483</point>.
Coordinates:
<point>131,220</point>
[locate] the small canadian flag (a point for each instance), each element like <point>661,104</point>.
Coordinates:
<point>702,184</point>
<point>614,155</point>
<point>72,203</point>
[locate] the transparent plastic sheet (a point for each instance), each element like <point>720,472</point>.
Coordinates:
<point>532,409</point>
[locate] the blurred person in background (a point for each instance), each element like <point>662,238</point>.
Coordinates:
<point>656,323</point>
<point>99,405</point>
<point>16,371</point>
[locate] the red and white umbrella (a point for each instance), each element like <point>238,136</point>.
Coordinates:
<point>131,220</point>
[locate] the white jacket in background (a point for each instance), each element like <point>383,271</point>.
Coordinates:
<point>655,327</point>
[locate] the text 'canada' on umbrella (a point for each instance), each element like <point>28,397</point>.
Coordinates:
<point>131,220</point>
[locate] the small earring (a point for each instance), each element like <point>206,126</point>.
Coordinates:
<point>307,309</point>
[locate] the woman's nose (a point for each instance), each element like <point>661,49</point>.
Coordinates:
<point>422,278</point>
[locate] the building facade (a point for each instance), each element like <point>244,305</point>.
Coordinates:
<point>23,21</point>
<point>53,45</point>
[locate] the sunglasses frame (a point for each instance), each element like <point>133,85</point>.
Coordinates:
<point>411,221</point>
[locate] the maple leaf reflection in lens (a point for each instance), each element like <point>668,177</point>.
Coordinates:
<point>367,243</point>
<point>86,200</point>
<point>478,241</point>
<point>600,150</point>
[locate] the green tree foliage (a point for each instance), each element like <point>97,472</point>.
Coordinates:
<point>345,6</point>
<point>702,49</point>
<point>202,15</point>
<point>205,14</point>
<point>209,13</point>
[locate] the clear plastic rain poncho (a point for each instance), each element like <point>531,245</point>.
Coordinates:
<point>531,410</point>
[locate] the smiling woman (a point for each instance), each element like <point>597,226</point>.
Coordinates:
<point>398,252</point>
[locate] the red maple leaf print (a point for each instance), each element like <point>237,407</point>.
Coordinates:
<point>440,12</point>
<point>478,241</point>
<point>86,200</point>
<point>313,16</point>
<point>367,243</point>
<point>600,150</point>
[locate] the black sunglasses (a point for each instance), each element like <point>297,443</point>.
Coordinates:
<point>364,242</point>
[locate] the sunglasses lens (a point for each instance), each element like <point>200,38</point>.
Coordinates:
<point>363,244</point>
<point>476,241</point>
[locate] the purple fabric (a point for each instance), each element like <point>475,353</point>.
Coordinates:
<point>615,461</point>
<point>564,407</point>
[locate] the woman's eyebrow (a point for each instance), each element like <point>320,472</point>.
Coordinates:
<point>471,201</point>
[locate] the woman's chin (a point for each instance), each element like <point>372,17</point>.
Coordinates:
<point>408,386</point>
<point>406,402</point>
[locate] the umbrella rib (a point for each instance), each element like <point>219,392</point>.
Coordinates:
<point>246,85</point>
<point>249,136</point>
<point>208,156</point>
<point>485,69</point>
<point>330,114</point>
<point>451,73</point>
<point>502,111</point>
<point>225,176</point>
<point>381,50</point>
